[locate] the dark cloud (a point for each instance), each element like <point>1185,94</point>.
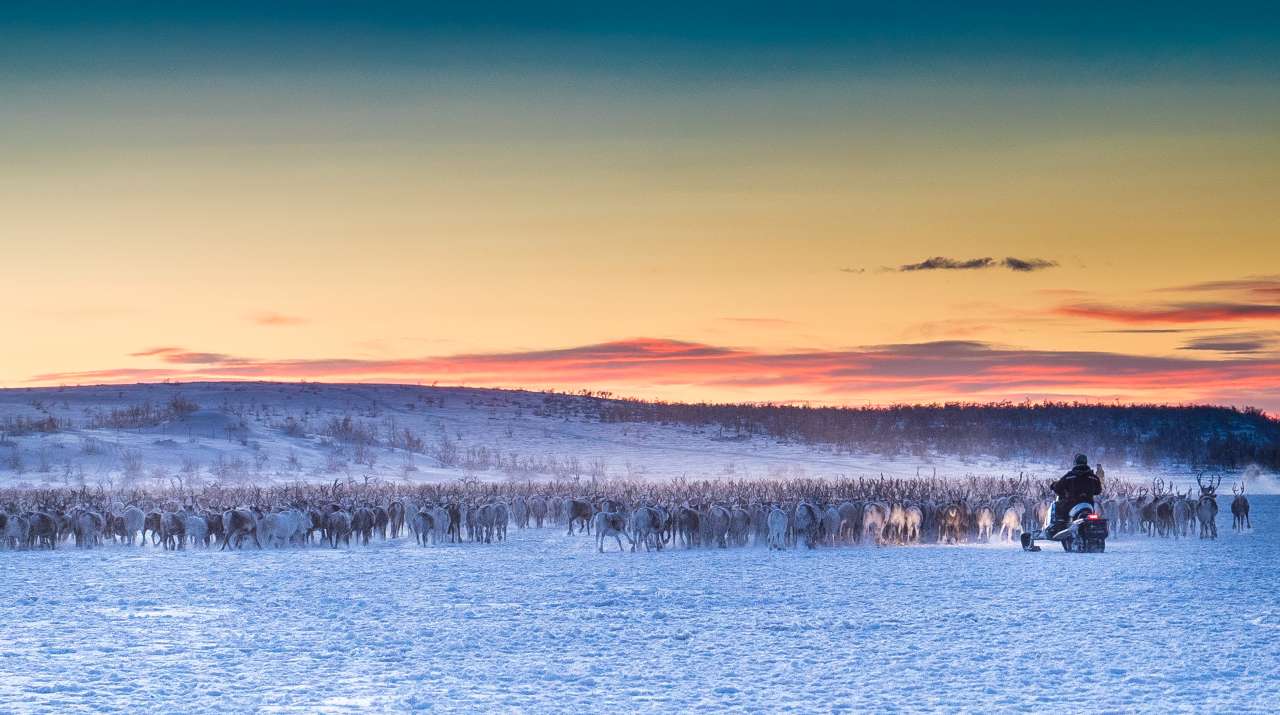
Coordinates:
<point>942,263</point>
<point>1028,265</point>
<point>853,270</point>
<point>1235,343</point>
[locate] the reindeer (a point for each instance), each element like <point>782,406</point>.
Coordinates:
<point>454,530</point>
<point>381,520</point>
<point>133,520</point>
<point>986,520</point>
<point>716,526</point>
<point>279,527</point>
<point>1207,510</point>
<point>610,523</point>
<point>42,530</point>
<point>423,525</point>
<point>646,523</point>
<point>396,514</point>
<point>1240,510</point>
<point>236,525</point>
<point>362,525</point>
<point>440,523</point>
<point>173,531</point>
<point>153,522</point>
<point>337,525</point>
<point>1183,513</point>
<point>952,524</point>
<point>1011,522</point>
<point>520,512</point>
<point>501,517</point>
<point>875,519</point>
<point>850,521</point>
<point>579,511</point>
<point>689,525</point>
<point>777,523</point>
<point>805,524</point>
<point>1157,512</point>
<point>1166,523</point>
<point>829,526</point>
<point>194,526</point>
<point>16,531</point>
<point>538,510</point>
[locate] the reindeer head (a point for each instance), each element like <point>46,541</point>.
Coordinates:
<point>1208,489</point>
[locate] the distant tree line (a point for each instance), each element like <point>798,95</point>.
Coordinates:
<point>1198,436</point>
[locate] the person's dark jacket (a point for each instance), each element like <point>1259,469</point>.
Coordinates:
<point>1080,484</point>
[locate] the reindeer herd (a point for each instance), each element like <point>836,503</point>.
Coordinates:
<point>648,516</point>
<point>1161,511</point>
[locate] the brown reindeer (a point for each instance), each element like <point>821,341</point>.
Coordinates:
<point>1240,510</point>
<point>237,524</point>
<point>579,511</point>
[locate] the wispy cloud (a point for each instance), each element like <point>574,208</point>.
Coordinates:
<point>1253,298</point>
<point>953,369</point>
<point>1236,343</point>
<point>1175,313</point>
<point>942,263</point>
<point>1142,331</point>
<point>277,319</point>
<point>179,356</point>
<point>1258,287</point>
<point>154,351</point>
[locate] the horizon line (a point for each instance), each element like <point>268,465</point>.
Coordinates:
<point>617,397</point>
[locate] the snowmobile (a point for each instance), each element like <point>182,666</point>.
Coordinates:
<point>1086,532</point>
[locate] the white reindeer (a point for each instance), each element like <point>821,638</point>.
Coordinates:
<point>777,529</point>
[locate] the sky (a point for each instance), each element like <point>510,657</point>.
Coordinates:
<point>838,203</point>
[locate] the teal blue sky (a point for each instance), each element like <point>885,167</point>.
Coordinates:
<point>1101,39</point>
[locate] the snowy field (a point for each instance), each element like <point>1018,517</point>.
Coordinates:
<point>543,623</point>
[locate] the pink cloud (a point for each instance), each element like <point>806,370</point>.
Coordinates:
<point>943,370</point>
<point>1180,313</point>
<point>277,319</point>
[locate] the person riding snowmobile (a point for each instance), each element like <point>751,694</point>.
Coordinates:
<point>1078,486</point>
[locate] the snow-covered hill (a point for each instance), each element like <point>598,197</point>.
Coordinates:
<point>242,432</point>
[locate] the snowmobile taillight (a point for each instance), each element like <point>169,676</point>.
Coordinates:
<point>1093,516</point>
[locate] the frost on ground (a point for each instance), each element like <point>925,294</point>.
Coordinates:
<point>543,623</point>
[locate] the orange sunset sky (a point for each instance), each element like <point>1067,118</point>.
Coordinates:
<point>846,210</point>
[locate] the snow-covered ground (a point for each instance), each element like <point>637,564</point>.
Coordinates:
<point>543,623</point>
<point>241,433</point>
